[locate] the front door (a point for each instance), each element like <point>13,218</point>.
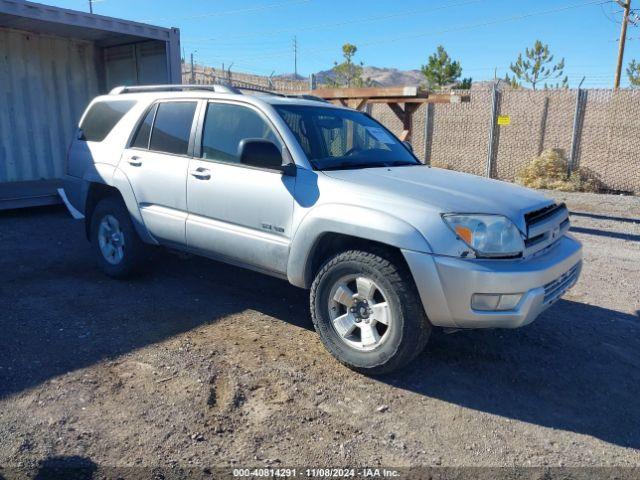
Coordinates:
<point>156,164</point>
<point>239,213</point>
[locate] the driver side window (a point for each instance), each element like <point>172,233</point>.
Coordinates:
<point>226,125</point>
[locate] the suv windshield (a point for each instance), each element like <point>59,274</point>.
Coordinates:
<point>336,138</point>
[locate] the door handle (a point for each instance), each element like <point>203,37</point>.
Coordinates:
<point>201,173</point>
<point>135,161</point>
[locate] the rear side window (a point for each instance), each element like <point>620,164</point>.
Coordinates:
<point>144,130</point>
<point>172,127</point>
<point>102,117</point>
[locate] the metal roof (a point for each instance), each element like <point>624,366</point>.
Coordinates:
<point>105,31</point>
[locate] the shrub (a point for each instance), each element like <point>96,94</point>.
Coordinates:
<point>549,170</point>
<point>445,166</point>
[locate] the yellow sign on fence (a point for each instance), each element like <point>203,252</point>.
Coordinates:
<point>504,120</point>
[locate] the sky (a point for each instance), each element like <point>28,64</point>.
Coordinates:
<point>485,36</point>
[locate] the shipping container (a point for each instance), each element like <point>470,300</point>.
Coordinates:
<point>53,61</point>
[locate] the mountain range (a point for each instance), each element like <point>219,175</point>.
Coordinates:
<point>383,77</point>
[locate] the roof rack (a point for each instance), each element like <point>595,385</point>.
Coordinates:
<point>218,88</point>
<point>305,96</point>
<point>238,89</point>
<point>257,90</point>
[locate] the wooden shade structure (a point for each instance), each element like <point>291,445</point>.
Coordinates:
<point>403,101</point>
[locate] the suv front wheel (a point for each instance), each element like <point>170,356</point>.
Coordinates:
<point>116,244</point>
<point>367,311</point>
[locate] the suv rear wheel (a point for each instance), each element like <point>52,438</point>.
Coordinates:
<point>367,311</point>
<point>117,246</point>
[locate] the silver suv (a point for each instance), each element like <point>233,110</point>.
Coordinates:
<point>325,197</point>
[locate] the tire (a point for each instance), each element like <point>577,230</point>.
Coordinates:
<point>131,255</point>
<point>395,299</point>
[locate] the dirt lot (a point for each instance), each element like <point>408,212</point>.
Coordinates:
<point>201,364</point>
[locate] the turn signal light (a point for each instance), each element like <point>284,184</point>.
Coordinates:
<point>465,233</point>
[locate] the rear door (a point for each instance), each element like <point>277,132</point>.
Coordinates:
<point>156,164</point>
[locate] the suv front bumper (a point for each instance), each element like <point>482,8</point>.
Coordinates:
<point>446,284</point>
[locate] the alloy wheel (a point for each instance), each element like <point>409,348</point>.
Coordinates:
<point>359,312</point>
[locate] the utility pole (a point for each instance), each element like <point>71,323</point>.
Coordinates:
<point>90,6</point>
<point>295,57</point>
<point>623,38</point>
<point>193,73</point>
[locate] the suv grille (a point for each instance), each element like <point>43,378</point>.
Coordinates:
<point>554,290</point>
<point>545,227</point>
<point>538,215</point>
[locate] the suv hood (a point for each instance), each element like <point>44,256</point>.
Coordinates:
<point>447,191</point>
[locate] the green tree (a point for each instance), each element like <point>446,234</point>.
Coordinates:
<point>537,67</point>
<point>512,81</point>
<point>441,71</point>
<point>633,72</point>
<point>464,84</point>
<point>348,73</point>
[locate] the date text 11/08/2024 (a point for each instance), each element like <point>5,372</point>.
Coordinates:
<point>317,472</point>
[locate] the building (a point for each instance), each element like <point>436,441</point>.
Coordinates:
<point>53,61</point>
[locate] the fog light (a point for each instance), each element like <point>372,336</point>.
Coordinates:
<point>485,301</point>
<point>495,301</point>
<point>509,302</point>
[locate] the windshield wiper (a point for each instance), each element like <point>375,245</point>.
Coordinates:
<point>352,166</point>
<point>402,163</point>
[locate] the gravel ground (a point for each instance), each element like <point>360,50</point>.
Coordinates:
<point>199,364</point>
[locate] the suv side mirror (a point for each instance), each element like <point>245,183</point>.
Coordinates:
<point>261,153</point>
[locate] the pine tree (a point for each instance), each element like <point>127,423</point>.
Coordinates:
<point>348,73</point>
<point>537,67</point>
<point>633,72</point>
<point>441,71</point>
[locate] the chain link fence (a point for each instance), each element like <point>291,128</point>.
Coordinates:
<point>201,75</point>
<point>498,133</point>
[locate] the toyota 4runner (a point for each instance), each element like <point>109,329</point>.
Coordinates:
<point>325,197</point>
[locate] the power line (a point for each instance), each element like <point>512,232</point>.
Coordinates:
<point>608,17</point>
<point>251,44</point>
<point>449,30</point>
<point>245,66</point>
<point>233,12</point>
<point>490,23</point>
<point>341,24</point>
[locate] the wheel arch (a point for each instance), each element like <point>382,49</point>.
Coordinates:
<point>98,189</point>
<point>343,228</point>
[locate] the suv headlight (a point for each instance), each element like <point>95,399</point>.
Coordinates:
<point>487,235</point>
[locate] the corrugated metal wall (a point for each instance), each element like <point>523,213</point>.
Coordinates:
<point>45,84</point>
<point>143,63</point>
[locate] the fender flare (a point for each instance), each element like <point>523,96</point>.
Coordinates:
<point>355,221</point>
<point>112,176</point>
<point>98,173</point>
<point>121,182</point>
